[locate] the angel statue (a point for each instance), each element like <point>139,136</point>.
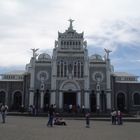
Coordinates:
<point>85,44</point>
<point>56,43</point>
<point>107,53</point>
<point>34,52</point>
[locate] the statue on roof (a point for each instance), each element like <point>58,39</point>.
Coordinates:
<point>56,43</point>
<point>85,44</point>
<point>70,20</point>
<point>34,52</point>
<point>107,53</point>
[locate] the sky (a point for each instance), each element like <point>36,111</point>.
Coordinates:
<point>110,24</point>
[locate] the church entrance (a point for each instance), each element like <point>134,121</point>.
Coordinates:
<point>69,95</point>
<point>69,98</point>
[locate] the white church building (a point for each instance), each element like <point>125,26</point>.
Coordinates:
<point>73,77</point>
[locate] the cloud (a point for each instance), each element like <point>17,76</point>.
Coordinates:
<point>34,24</point>
<point>112,34</point>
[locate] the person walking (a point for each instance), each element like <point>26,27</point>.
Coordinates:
<point>51,116</point>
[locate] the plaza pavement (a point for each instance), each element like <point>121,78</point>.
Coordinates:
<point>34,128</point>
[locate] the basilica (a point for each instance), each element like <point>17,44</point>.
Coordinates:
<point>70,77</point>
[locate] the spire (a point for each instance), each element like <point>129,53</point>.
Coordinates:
<point>71,27</point>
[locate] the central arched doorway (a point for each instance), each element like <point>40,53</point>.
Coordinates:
<point>69,98</point>
<point>121,101</point>
<point>70,94</point>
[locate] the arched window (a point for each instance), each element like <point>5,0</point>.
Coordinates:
<point>58,69</point>
<point>79,68</point>
<point>82,69</point>
<point>17,100</point>
<point>61,67</point>
<point>136,99</point>
<point>121,101</point>
<point>65,69</point>
<point>75,65</point>
<point>2,97</point>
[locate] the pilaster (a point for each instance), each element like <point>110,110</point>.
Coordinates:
<point>42,99</point>
<point>60,100</point>
<point>86,100</point>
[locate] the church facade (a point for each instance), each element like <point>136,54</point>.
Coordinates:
<point>71,77</point>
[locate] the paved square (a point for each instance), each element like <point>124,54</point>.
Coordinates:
<point>34,128</point>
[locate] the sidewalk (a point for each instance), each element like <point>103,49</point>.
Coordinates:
<point>76,117</point>
<point>125,119</point>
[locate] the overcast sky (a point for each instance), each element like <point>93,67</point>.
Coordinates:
<point>111,24</point>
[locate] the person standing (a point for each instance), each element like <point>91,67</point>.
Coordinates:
<point>114,117</point>
<point>87,120</point>
<point>83,109</point>
<point>119,117</point>
<point>51,116</point>
<point>4,109</point>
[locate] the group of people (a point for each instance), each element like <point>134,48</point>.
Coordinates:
<point>116,117</point>
<point>55,118</point>
<point>32,110</point>
<point>74,109</point>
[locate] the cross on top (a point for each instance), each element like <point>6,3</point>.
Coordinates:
<point>70,20</point>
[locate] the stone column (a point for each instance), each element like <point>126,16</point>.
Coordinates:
<point>32,80</point>
<point>98,101</point>
<point>108,97</point>
<point>53,97</point>
<point>53,80</point>
<point>31,98</point>
<point>86,80</point>
<point>86,100</point>
<point>79,98</point>
<point>108,86</point>
<point>60,100</point>
<point>42,100</point>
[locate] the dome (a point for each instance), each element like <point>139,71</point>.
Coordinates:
<point>44,57</point>
<point>96,57</point>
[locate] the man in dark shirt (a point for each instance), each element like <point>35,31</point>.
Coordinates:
<point>51,116</point>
